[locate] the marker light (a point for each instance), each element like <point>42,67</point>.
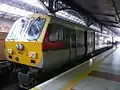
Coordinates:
<point>32,54</point>
<point>9,51</point>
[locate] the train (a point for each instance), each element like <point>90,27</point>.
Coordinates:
<point>45,42</point>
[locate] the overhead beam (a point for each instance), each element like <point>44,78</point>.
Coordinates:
<point>114,30</point>
<point>103,14</point>
<point>108,21</point>
<point>55,5</point>
<point>111,25</point>
<point>117,13</point>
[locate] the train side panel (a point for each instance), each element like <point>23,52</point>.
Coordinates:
<point>61,44</point>
<point>55,50</point>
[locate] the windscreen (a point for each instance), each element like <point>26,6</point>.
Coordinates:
<point>19,28</point>
<point>34,29</point>
<point>27,28</point>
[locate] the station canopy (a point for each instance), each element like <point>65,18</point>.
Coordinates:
<point>105,13</point>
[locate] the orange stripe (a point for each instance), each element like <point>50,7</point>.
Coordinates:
<point>79,77</point>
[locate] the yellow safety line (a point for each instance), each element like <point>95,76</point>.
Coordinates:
<point>79,77</point>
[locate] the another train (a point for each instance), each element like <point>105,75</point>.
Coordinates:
<point>45,42</point>
<point>2,45</point>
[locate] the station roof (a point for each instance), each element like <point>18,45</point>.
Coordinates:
<point>106,12</point>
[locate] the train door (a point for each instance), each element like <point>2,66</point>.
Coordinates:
<point>72,45</point>
<point>90,42</point>
<point>80,43</point>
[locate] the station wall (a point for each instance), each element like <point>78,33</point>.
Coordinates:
<point>5,26</point>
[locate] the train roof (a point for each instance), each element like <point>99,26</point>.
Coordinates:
<point>64,22</point>
<point>70,23</point>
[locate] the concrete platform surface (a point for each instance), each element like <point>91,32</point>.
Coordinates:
<point>99,73</point>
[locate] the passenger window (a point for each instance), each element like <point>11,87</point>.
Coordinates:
<point>56,32</point>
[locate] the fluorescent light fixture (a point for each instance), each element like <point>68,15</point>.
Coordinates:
<point>14,10</point>
<point>35,3</point>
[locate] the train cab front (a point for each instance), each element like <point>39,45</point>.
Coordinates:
<point>23,44</point>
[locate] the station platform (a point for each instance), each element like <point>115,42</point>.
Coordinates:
<point>99,73</point>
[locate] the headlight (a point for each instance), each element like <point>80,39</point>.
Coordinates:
<point>19,46</point>
<point>9,51</point>
<point>32,54</point>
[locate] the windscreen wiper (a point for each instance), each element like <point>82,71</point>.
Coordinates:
<point>11,39</point>
<point>32,39</point>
